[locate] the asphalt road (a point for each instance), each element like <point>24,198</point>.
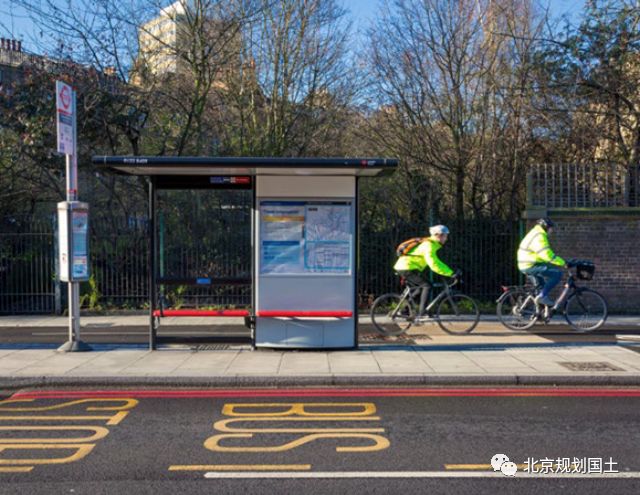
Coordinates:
<point>318,442</point>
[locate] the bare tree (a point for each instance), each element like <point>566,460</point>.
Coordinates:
<point>444,73</point>
<point>590,76</point>
<point>294,86</point>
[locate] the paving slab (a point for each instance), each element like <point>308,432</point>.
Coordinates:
<point>206,363</point>
<point>57,364</point>
<point>156,363</point>
<point>353,363</point>
<point>450,362</point>
<point>255,363</point>
<point>109,363</point>
<point>304,363</point>
<point>407,361</point>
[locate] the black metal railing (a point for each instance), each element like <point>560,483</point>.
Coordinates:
<point>27,271</point>
<point>592,185</point>
<point>484,250</point>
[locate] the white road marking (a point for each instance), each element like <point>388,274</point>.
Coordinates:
<point>415,474</point>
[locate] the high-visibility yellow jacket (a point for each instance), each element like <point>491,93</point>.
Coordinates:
<point>535,249</point>
<point>423,255</point>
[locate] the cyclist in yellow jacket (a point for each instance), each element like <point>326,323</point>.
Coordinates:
<point>412,266</point>
<point>535,258</point>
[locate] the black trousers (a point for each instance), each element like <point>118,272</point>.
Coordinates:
<point>416,278</point>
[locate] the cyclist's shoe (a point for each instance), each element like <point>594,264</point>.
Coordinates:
<point>546,300</point>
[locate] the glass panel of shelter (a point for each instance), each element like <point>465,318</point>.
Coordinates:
<point>203,252</point>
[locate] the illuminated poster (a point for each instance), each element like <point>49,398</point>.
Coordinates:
<point>73,237</point>
<point>328,237</point>
<point>305,237</point>
<point>80,257</point>
<point>281,234</point>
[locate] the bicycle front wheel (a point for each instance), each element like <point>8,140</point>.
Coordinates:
<point>391,314</point>
<point>458,314</point>
<point>517,310</point>
<point>586,310</point>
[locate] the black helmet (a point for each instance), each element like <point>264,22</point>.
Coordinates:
<point>546,223</point>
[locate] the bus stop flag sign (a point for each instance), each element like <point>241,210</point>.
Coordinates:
<point>65,116</point>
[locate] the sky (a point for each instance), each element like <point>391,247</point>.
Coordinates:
<point>363,11</point>
<point>15,24</point>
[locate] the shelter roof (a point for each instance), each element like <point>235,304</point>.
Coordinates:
<point>235,166</point>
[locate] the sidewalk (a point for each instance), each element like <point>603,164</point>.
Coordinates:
<point>489,356</point>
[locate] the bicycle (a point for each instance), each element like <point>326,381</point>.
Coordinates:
<point>584,309</point>
<point>456,313</point>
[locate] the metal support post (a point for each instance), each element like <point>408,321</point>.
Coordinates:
<point>74,344</point>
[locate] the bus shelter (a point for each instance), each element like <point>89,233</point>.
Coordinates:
<point>304,241</point>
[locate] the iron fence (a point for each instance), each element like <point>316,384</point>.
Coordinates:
<point>484,250</point>
<point>119,261</point>
<point>27,281</point>
<point>584,185</point>
<point>212,240</point>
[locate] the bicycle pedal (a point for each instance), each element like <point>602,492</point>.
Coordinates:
<point>425,319</point>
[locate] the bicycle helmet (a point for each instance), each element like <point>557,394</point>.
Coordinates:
<point>438,229</point>
<point>546,223</point>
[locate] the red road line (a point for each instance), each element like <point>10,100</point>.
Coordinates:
<point>328,392</point>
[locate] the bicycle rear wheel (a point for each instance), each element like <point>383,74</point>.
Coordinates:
<point>392,315</point>
<point>586,310</point>
<point>458,314</point>
<point>517,309</point>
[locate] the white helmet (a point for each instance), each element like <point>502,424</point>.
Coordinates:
<point>438,229</point>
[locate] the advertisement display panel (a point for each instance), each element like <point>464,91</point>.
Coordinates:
<point>305,237</point>
<point>79,250</point>
<point>73,239</point>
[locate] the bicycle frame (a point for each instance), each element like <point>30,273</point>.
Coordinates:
<point>546,312</point>
<point>410,292</point>
<point>583,308</point>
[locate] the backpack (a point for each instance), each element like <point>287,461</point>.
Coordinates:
<point>405,247</point>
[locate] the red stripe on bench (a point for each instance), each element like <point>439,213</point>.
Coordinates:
<point>201,312</point>
<point>303,314</point>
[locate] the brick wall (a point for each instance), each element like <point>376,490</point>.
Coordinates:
<point>612,242</point>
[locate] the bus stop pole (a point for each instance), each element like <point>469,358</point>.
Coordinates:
<point>74,343</point>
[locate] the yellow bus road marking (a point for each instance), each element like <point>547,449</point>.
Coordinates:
<point>111,420</point>
<point>81,451</point>
<point>222,425</point>
<point>63,443</point>
<point>241,467</point>
<point>99,432</point>
<point>128,404</point>
<point>379,442</point>
<point>16,469</point>
<point>301,409</point>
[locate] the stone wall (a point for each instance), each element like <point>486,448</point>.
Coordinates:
<point>609,238</point>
